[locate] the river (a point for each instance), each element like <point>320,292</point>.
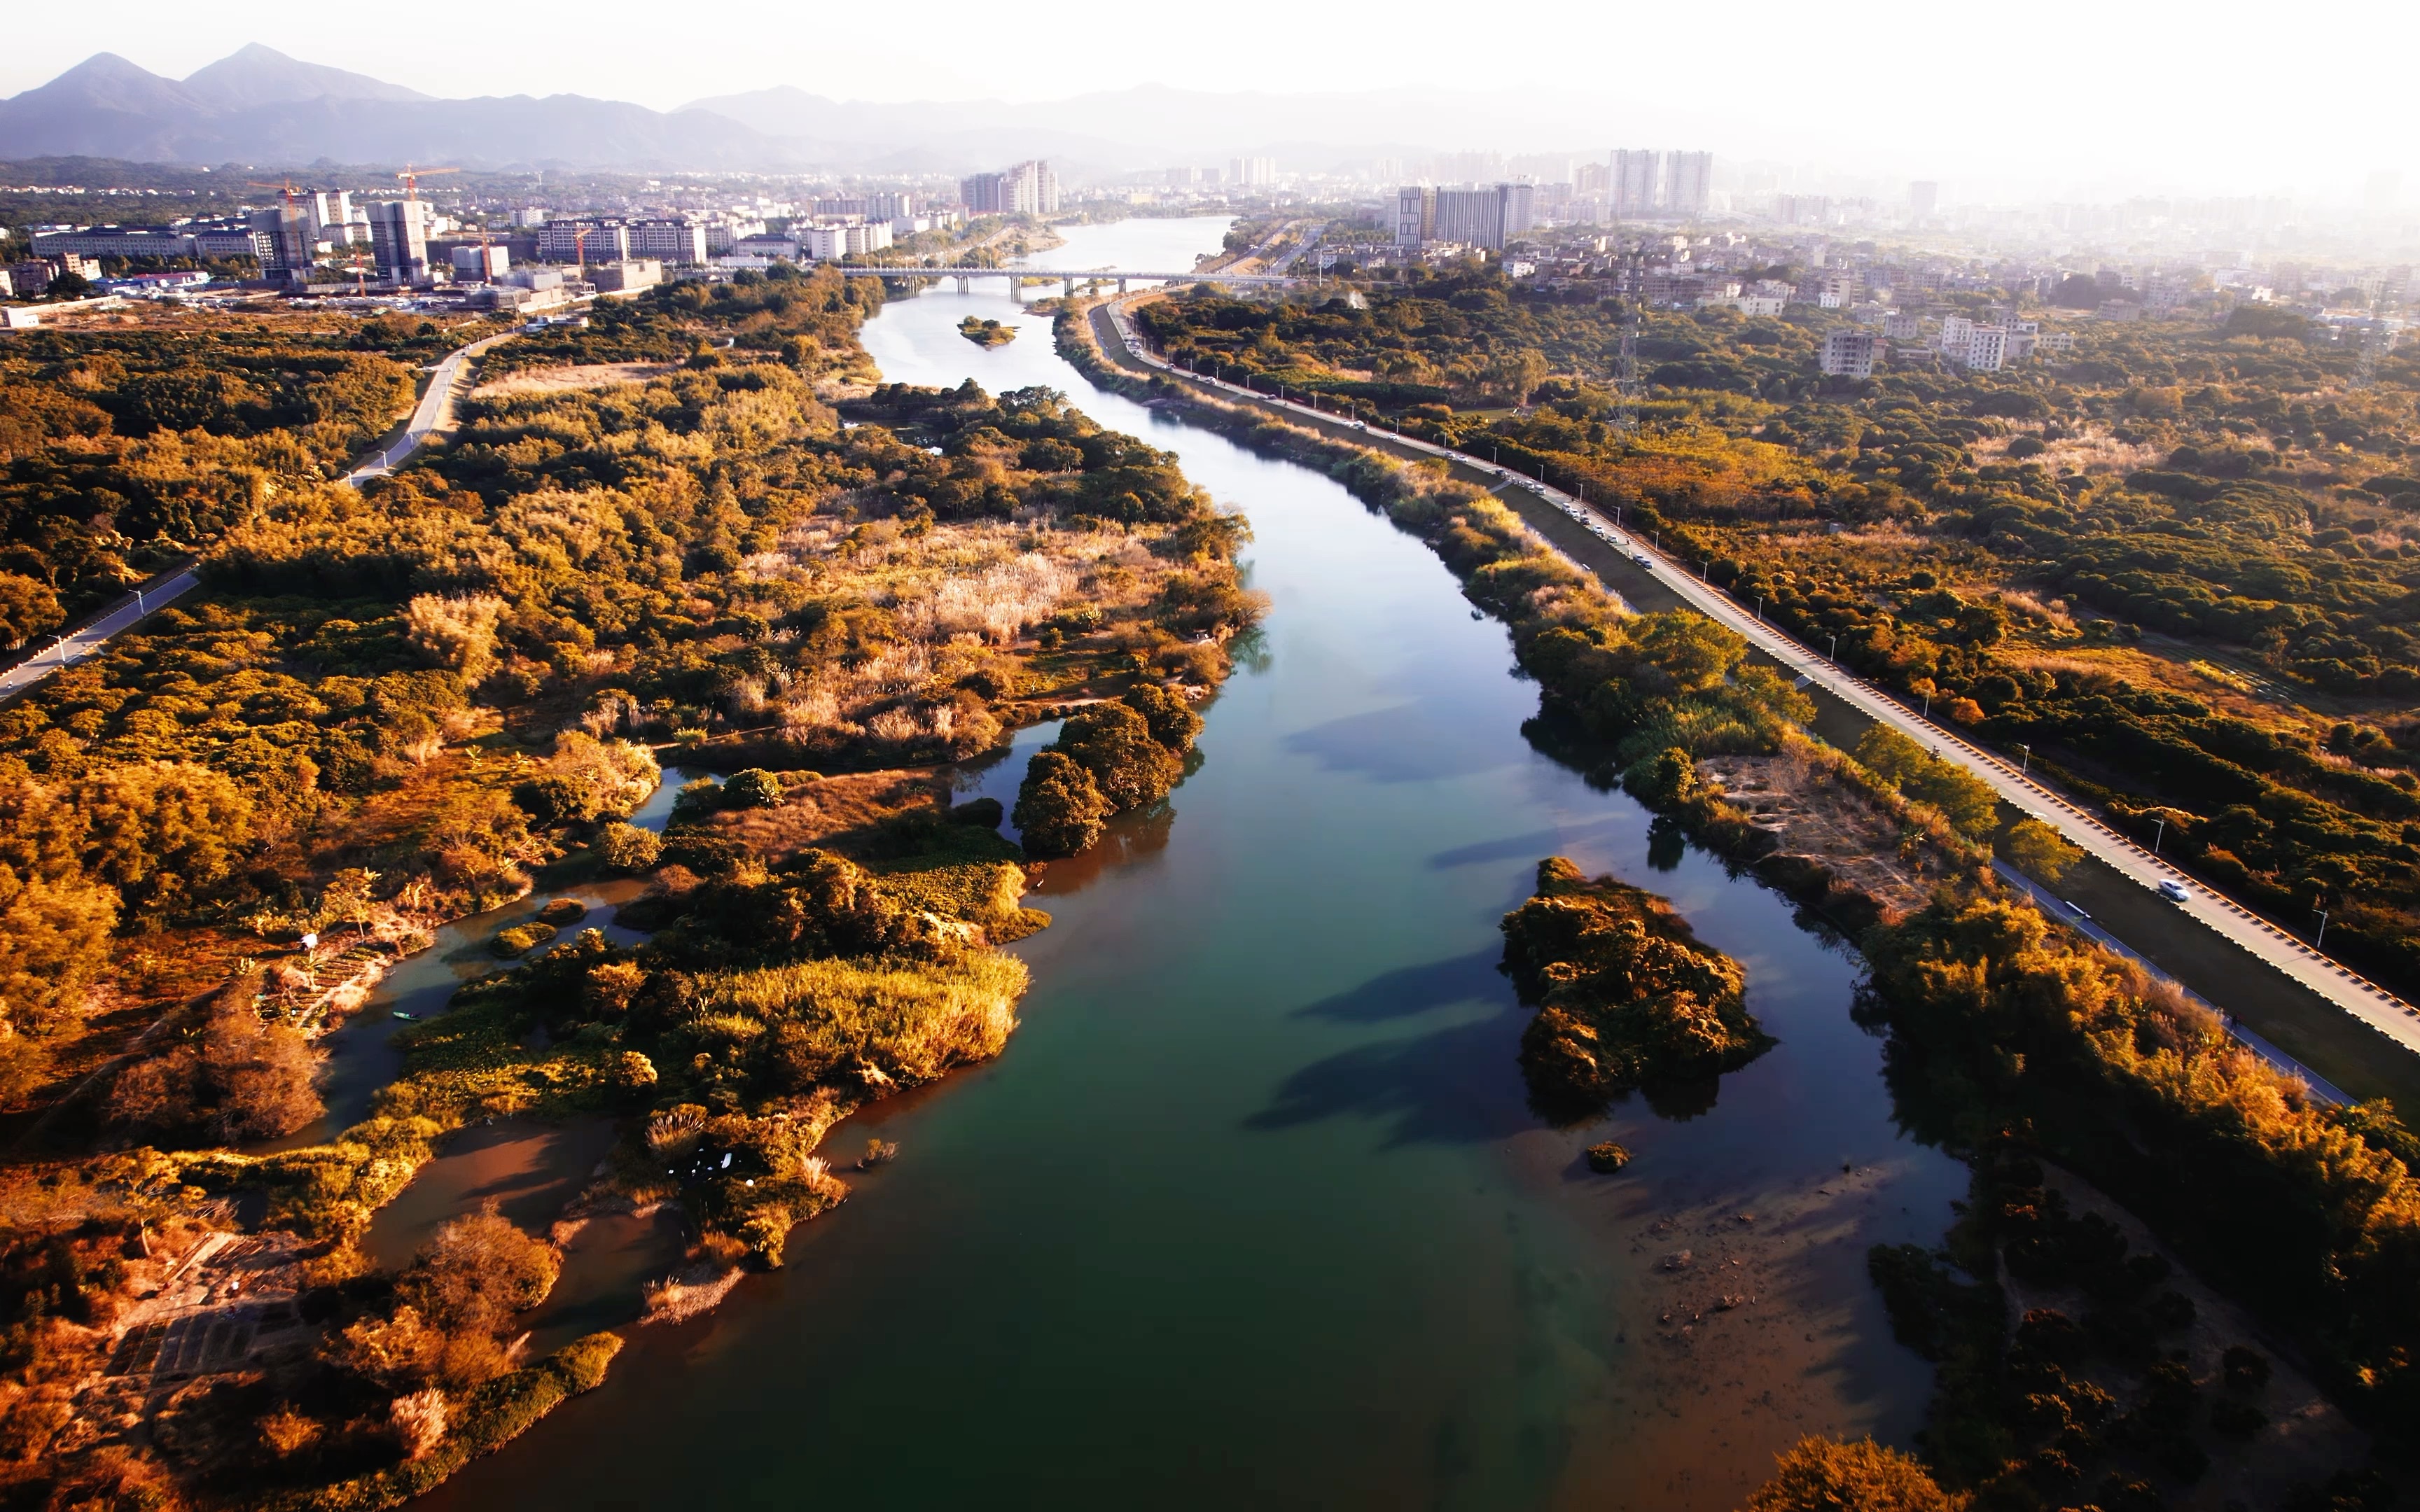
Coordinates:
<point>1252,1210</point>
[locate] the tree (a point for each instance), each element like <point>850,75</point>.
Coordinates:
<point>1059,807</point>
<point>27,609</point>
<point>1827,1475</point>
<point>478,1271</point>
<point>2038,851</point>
<point>1114,742</point>
<point>1170,718</point>
<point>164,832</point>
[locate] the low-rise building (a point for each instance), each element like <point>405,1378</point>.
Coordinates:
<point>620,277</point>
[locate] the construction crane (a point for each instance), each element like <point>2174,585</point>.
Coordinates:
<point>411,179</point>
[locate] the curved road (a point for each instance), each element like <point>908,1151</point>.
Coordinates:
<point>433,415</point>
<point>2365,999</point>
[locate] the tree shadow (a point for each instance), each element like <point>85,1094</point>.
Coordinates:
<point>1409,991</point>
<point>1405,743</point>
<point>1529,847</point>
<point>1456,1084</point>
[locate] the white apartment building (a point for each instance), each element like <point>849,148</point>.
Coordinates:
<point>671,238</point>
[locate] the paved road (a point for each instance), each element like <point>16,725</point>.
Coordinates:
<point>90,638</point>
<point>435,414</point>
<point>2374,1005</point>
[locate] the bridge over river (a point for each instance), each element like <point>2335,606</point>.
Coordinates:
<point>1069,277</point>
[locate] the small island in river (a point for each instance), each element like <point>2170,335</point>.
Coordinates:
<point>1627,994</point>
<point>987,332</point>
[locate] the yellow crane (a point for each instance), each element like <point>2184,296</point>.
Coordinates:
<point>411,179</point>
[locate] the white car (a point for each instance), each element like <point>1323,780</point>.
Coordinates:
<point>2175,891</point>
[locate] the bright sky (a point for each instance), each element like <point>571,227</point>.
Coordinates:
<point>2218,97</point>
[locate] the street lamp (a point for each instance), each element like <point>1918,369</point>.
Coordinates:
<point>2322,934</point>
<point>2027,764</point>
<point>2159,834</point>
<point>1835,657</point>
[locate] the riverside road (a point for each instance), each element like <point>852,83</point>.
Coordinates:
<point>2373,1005</point>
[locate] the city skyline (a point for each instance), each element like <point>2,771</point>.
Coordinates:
<point>2145,106</point>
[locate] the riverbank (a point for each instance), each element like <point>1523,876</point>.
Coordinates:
<point>1502,574</point>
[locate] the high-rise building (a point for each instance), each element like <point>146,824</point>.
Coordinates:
<point>1252,172</point>
<point>286,228</point>
<point>1633,183</point>
<point>1688,183</point>
<point>1028,189</point>
<point>1923,197</point>
<point>1850,353</point>
<point>399,240</point>
<point>1487,215</point>
<point>332,215</point>
<point>1414,214</point>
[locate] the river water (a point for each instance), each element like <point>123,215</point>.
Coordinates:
<point>1252,1210</point>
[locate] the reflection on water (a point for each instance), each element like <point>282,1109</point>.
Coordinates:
<point>1253,1211</point>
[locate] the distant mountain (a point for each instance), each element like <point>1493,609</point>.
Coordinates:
<point>1154,125</point>
<point>257,105</point>
<point>254,75</point>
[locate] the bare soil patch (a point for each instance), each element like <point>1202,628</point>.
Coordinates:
<point>1829,824</point>
<point>564,379</point>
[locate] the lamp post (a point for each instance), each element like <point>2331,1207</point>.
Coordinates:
<point>2025,765</point>
<point>2320,937</point>
<point>2160,834</point>
<point>1835,657</point>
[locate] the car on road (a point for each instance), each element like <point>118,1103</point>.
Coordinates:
<point>1640,556</point>
<point>2175,891</point>
<point>2077,909</point>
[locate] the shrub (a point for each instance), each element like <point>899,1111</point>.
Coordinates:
<point>1058,808</point>
<point>626,848</point>
<point>1827,1475</point>
<point>755,788</point>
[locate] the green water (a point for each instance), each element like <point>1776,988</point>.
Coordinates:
<point>1252,1210</point>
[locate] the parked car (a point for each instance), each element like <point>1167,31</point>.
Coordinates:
<point>2175,891</point>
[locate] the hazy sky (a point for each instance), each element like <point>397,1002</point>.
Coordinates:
<point>2116,91</point>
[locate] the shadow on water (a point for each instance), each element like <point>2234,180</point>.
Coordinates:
<point>1408,990</point>
<point>1253,1211</point>
<point>1406,743</point>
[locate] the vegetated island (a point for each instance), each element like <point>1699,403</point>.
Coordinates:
<point>2015,1043</point>
<point>392,707</point>
<point>1627,995</point>
<point>987,332</point>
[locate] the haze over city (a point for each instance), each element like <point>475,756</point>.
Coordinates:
<point>2070,100</point>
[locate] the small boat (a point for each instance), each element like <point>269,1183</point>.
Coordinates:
<point>408,1018</point>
